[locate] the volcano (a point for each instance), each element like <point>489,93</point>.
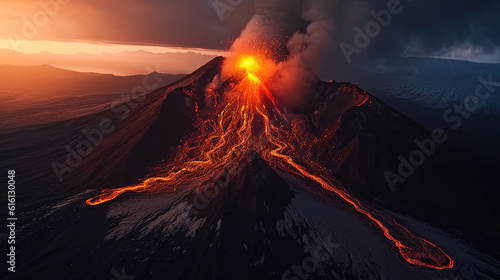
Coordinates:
<point>226,183</point>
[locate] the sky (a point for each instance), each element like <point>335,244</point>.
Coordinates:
<point>131,36</point>
<point>174,36</point>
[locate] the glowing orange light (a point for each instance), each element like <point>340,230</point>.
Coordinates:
<point>253,78</point>
<point>249,64</point>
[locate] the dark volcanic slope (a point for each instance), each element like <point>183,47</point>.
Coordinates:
<point>36,95</point>
<point>259,225</point>
<point>239,228</point>
<point>32,150</point>
<point>367,141</point>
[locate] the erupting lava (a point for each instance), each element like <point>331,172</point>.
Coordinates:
<point>250,119</point>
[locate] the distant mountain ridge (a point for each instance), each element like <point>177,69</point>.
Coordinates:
<point>48,82</point>
<point>33,95</point>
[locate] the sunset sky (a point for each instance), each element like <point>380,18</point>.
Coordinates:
<point>125,37</point>
<point>131,36</point>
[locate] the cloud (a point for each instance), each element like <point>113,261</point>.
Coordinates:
<point>467,51</point>
<point>187,23</point>
<point>436,26</point>
<point>299,72</point>
<point>195,23</point>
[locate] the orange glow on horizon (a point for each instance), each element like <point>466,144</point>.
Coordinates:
<point>59,47</point>
<point>117,59</point>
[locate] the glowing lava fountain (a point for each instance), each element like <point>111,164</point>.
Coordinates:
<point>250,119</point>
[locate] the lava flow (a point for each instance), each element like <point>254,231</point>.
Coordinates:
<point>250,119</point>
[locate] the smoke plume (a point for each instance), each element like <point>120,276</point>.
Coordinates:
<point>295,35</point>
<point>299,72</point>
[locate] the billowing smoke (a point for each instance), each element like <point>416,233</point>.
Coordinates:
<point>260,38</point>
<point>297,75</point>
<point>293,34</point>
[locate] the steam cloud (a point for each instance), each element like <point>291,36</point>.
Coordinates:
<point>295,75</point>
<point>299,72</point>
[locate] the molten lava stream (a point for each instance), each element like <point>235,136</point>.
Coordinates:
<point>250,119</point>
<point>234,133</point>
<point>417,251</point>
